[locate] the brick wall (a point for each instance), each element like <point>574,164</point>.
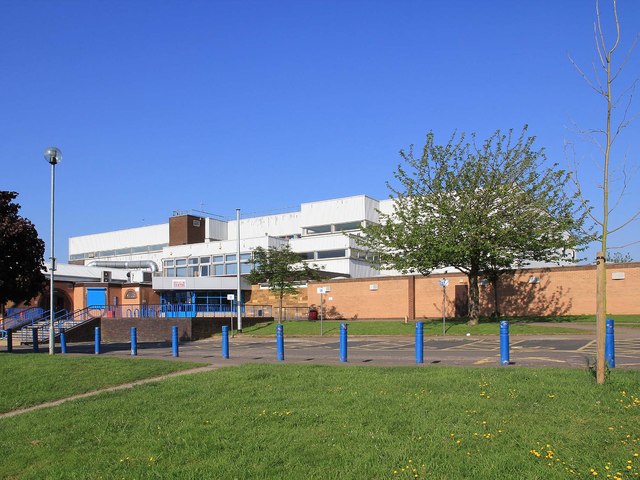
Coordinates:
<point>557,291</point>
<point>160,329</point>
<point>265,296</point>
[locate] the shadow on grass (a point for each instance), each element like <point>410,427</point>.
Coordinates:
<point>523,320</point>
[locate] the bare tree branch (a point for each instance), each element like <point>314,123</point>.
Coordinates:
<point>625,246</point>
<point>626,58</point>
<point>634,217</point>
<point>585,77</point>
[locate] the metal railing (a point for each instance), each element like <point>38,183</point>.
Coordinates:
<point>168,310</point>
<point>291,313</point>
<point>22,316</point>
<point>42,324</point>
<point>70,320</point>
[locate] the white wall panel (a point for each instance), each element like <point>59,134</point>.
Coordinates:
<point>272,225</point>
<point>341,210</point>
<point>131,237</point>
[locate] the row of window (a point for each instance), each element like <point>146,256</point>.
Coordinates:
<point>222,265</point>
<point>324,254</point>
<point>334,227</point>
<point>206,266</point>
<point>119,251</point>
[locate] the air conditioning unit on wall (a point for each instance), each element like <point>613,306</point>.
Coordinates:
<point>138,276</point>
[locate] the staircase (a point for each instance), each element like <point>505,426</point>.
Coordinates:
<point>20,318</point>
<point>62,319</point>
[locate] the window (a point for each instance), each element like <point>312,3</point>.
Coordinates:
<point>340,227</point>
<point>331,254</point>
<point>168,263</point>
<point>307,255</point>
<point>232,268</point>
<point>130,294</point>
<point>245,257</point>
<point>218,270</point>
<point>245,268</point>
<point>140,249</point>
<point>123,251</point>
<point>218,258</point>
<point>181,261</point>
<point>231,258</point>
<point>181,272</point>
<point>193,261</point>
<point>319,229</point>
<point>205,260</point>
<point>204,270</point>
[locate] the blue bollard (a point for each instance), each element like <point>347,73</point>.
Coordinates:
<point>419,343</point>
<point>343,342</point>
<point>34,337</point>
<point>63,341</point>
<point>9,341</point>
<point>97,341</point>
<point>609,345</point>
<point>174,341</point>
<point>225,341</point>
<point>504,342</point>
<point>280,342</point>
<point>134,342</point>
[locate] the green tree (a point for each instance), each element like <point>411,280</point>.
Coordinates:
<point>478,208</point>
<point>21,254</point>
<point>280,268</point>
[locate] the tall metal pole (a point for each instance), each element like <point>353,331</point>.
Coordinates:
<point>52,310</point>
<point>238,297</point>
<point>53,156</point>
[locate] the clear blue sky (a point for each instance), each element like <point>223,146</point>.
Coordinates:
<point>262,105</point>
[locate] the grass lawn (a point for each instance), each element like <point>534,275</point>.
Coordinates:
<point>321,422</point>
<point>624,319</point>
<point>363,327</point>
<point>30,379</point>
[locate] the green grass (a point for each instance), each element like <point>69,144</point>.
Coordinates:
<point>626,319</point>
<point>30,379</point>
<point>319,422</point>
<point>363,327</point>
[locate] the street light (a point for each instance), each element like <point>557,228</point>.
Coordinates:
<point>53,156</point>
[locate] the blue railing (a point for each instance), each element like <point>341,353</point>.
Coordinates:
<point>42,324</point>
<point>22,316</point>
<point>69,320</point>
<point>171,310</point>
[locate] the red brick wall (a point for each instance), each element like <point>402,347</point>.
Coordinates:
<point>560,291</point>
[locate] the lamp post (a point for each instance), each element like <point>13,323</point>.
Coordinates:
<point>238,291</point>
<point>53,156</point>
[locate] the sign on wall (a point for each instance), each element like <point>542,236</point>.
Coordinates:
<point>178,283</point>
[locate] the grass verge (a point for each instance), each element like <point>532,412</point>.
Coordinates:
<point>31,379</point>
<point>319,422</point>
<point>363,327</point>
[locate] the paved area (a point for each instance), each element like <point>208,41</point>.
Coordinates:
<point>573,351</point>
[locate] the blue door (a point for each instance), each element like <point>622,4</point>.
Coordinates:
<point>96,296</point>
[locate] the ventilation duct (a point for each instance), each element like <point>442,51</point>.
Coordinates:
<point>150,264</point>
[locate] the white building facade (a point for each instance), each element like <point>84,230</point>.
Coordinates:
<point>193,255</point>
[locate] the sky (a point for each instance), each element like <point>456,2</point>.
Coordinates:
<point>263,105</point>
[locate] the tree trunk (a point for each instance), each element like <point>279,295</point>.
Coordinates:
<point>496,306</point>
<point>474,297</point>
